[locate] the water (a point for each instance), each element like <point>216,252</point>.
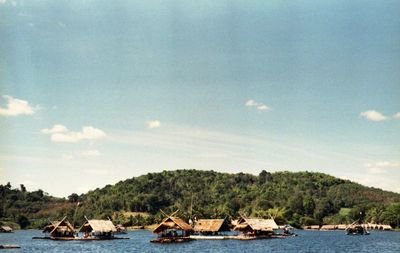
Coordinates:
<point>307,241</point>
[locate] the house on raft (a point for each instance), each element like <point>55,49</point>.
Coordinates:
<point>98,230</point>
<point>210,229</point>
<point>5,229</point>
<point>372,226</point>
<point>250,228</point>
<point>172,229</point>
<point>60,230</point>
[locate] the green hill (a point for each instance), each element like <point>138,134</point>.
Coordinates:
<point>300,198</point>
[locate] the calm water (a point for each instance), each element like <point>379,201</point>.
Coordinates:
<point>308,241</point>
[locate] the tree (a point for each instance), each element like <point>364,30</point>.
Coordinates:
<point>23,221</point>
<point>23,188</point>
<point>73,197</point>
<point>391,214</point>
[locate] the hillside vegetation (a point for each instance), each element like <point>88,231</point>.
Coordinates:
<point>301,198</point>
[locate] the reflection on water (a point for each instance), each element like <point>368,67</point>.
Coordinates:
<point>308,241</point>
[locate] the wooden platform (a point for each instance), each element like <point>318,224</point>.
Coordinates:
<point>9,246</point>
<point>80,238</point>
<point>171,239</point>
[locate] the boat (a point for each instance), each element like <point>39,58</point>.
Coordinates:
<point>357,228</point>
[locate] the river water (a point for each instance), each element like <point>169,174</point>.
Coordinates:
<point>307,241</point>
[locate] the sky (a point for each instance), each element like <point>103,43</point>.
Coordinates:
<point>94,92</point>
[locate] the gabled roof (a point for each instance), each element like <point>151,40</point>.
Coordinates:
<point>257,224</point>
<point>102,226</point>
<point>62,225</point>
<point>211,225</point>
<point>5,228</point>
<point>172,223</point>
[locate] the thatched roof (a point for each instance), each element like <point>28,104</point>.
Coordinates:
<point>386,227</point>
<point>328,227</point>
<point>5,229</point>
<point>211,225</point>
<point>257,224</point>
<point>172,223</point>
<point>59,226</point>
<point>102,226</point>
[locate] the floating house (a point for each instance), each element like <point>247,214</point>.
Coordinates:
<point>210,229</point>
<point>98,230</point>
<point>172,229</point>
<point>60,230</point>
<point>120,229</point>
<point>328,227</point>
<point>255,228</point>
<point>5,229</point>
<point>373,226</point>
<point>311,227</point>
<point>341,226</point>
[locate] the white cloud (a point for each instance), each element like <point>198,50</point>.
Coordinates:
<point>60,133</point>
<point>373,115</point>
<point>90,153</point>
<point>67,157</point>
<point>55,129</point>
<point>251,102</point>
<point>257,105</point>
<point>262,107</point>
<point>3,1</point>
<point>153,124</point>
<point>396,115</point>
<point>383,164</point>
<point>16,107</point>
<point>375,170</point>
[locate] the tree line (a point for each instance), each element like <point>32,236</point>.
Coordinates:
<point>301,198</point>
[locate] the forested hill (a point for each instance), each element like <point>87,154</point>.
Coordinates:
<point>298,198</point>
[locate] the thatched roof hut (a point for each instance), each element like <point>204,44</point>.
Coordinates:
<point>172,223</point>
<point>5,229</point>
<point>311,227</point>
<point>247,225</point>
<point>386,227</point>
<point>211,225</point>
<point>328,227</point>
<point>60,229</point>
<point>98,226</point>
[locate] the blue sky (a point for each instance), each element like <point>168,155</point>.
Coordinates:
<point>93,92</point>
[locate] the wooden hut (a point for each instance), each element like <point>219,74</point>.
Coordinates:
<point>60,230</point>
<point>210,229</point>
<point>172,229</point>
<point>341,226</point>
<point>386,227</point>
<point>5,229</point>
<point>311,227</point>
<point>98,229</point>
<point>256,228</point>
<point>328,227</point>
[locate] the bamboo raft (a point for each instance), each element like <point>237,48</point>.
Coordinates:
<point>79,238</point>
<point>9,246</point>
<point>171,239</point>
